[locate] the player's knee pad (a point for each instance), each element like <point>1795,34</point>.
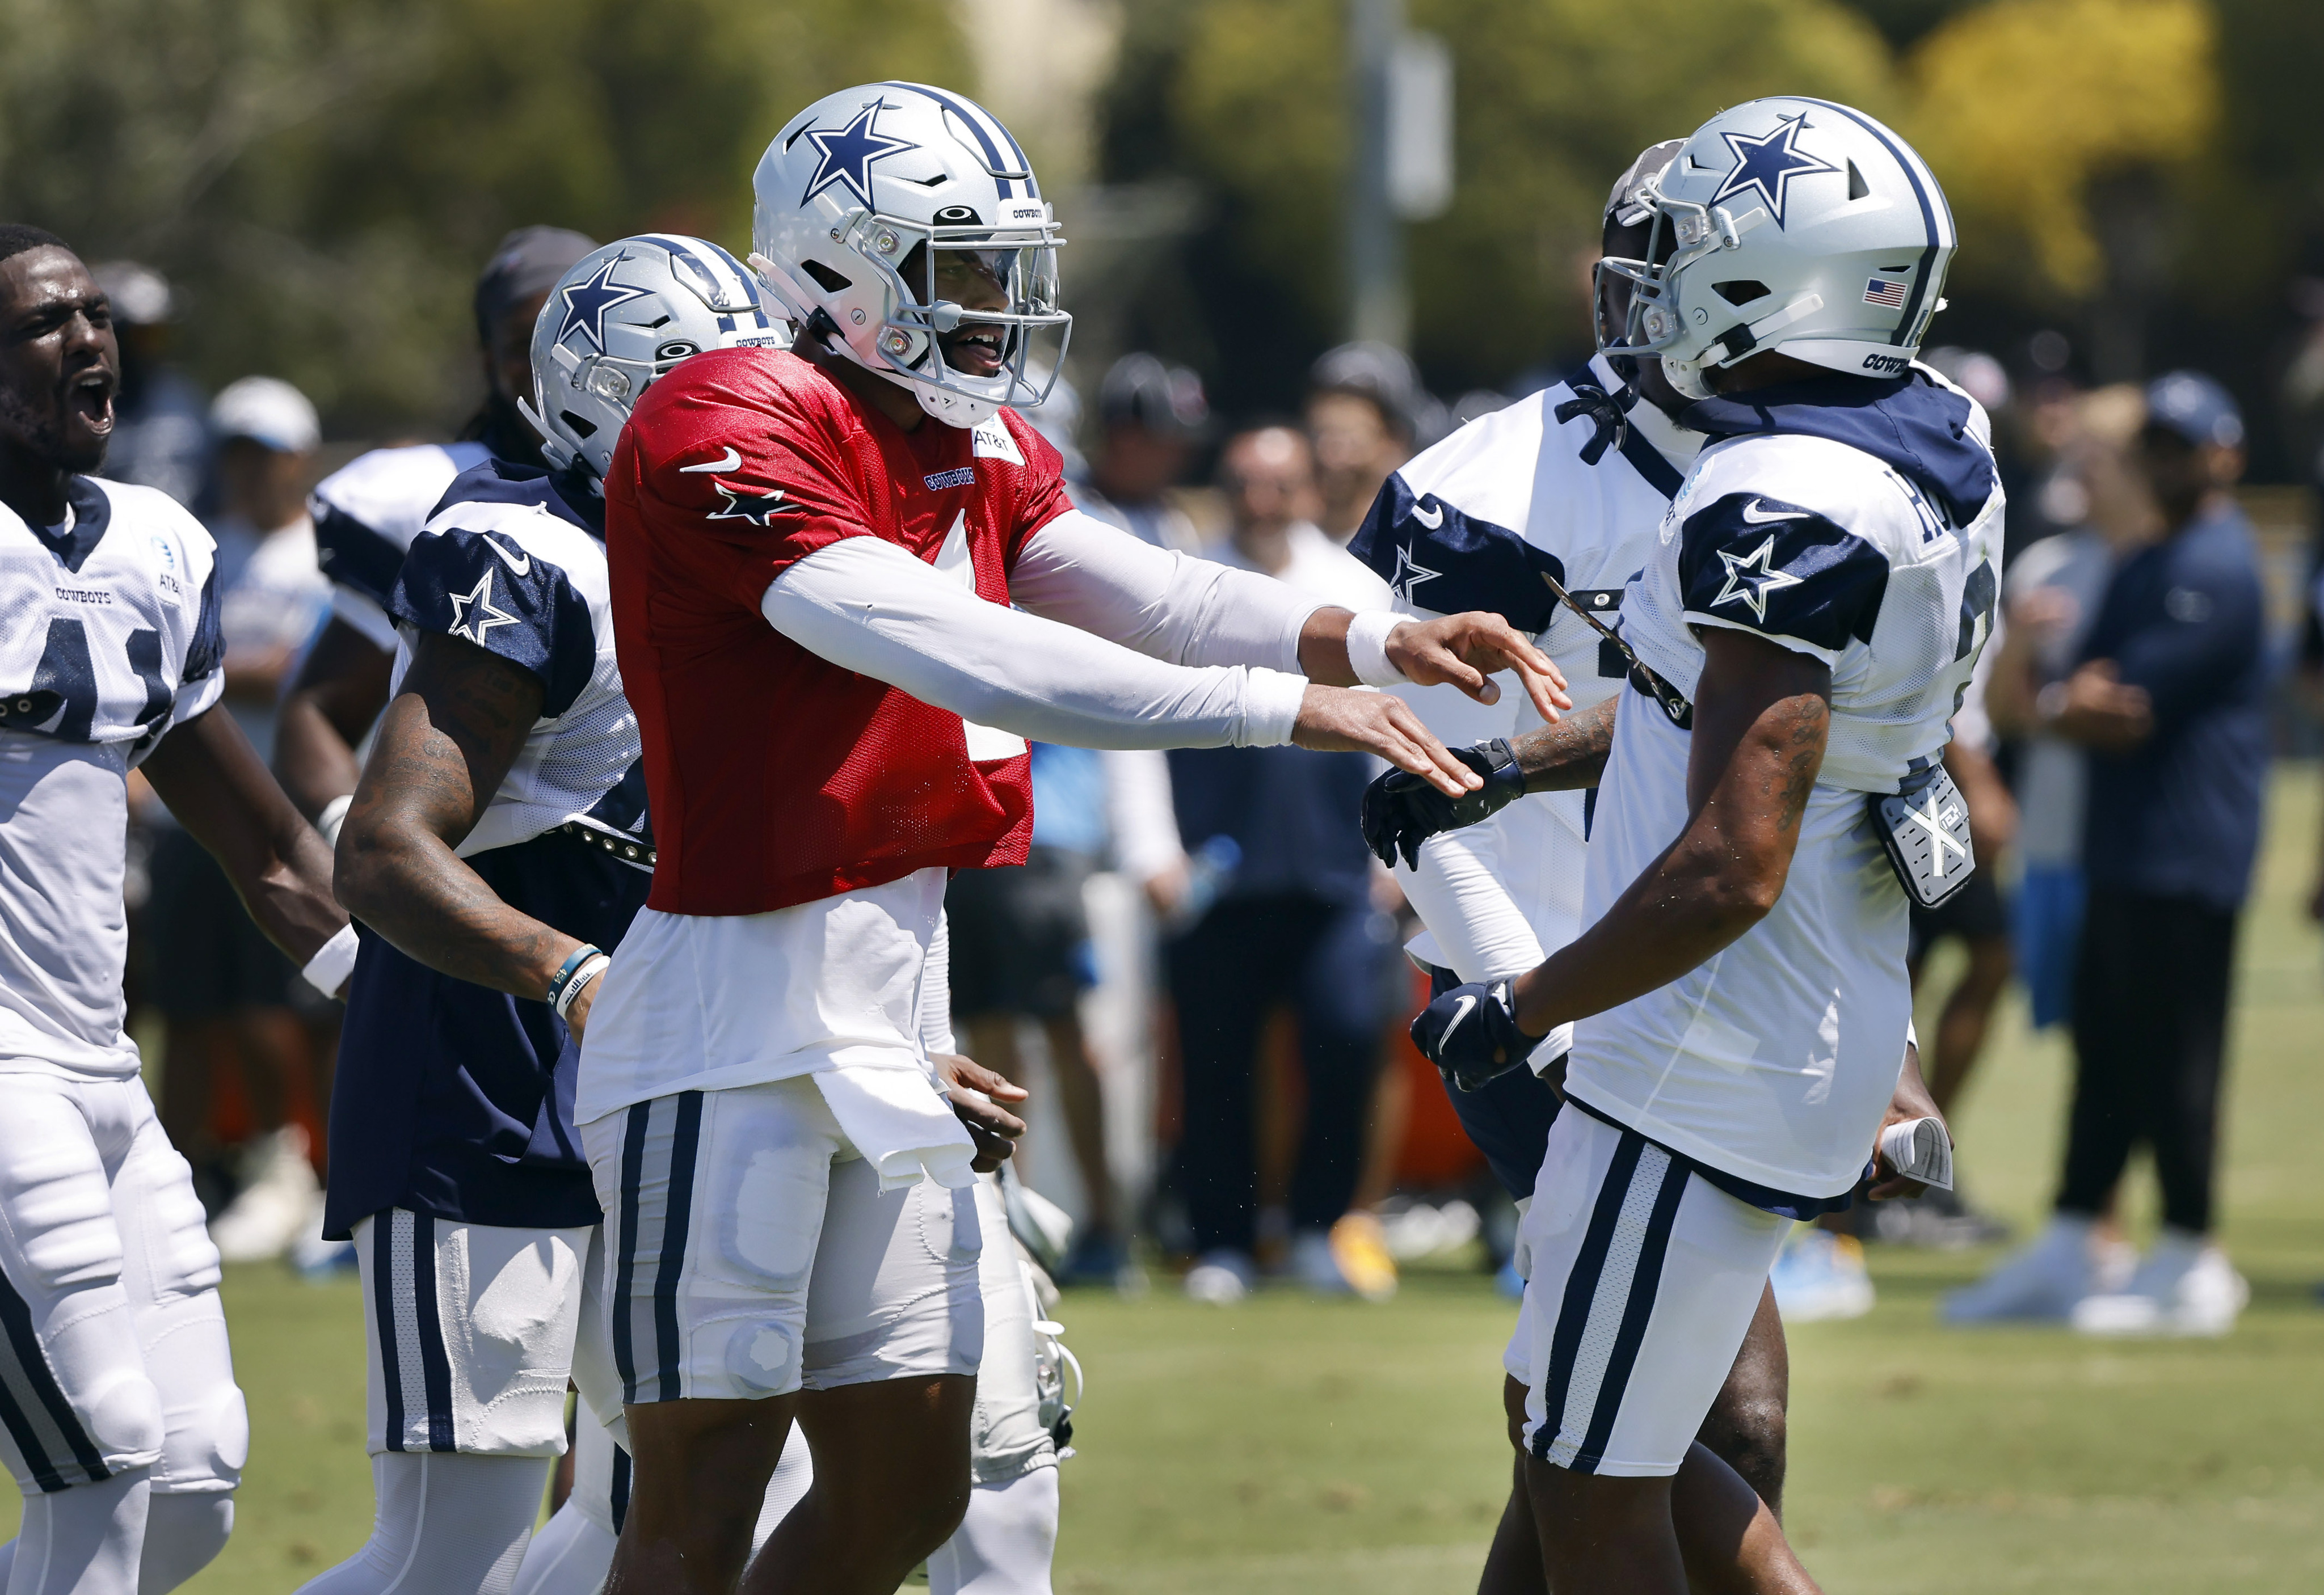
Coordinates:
<point>122,1412</point>
<point>183,1534</point>
<point>211,1443</point>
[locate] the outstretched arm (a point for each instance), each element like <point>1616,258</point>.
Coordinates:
<point>329,709</point>
<point>871,607</point>
<point>1400,811</point>
<point>1078,570</point>
<point>211,778</point>
<point>1762,715</point>
<point>445,746</point>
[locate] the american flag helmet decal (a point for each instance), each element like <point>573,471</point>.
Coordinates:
<point>1888,295</point>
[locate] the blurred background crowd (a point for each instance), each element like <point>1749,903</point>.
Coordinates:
<point>1283,286</point>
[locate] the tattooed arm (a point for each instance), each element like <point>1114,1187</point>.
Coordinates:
<point>444,745</point>
<point>1569,755</point>
<point>1761,716</point>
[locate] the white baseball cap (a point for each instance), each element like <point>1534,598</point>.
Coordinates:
<point>268,410</point>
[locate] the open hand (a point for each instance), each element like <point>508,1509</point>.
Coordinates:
<point>977,1094</point>
<point>1339,719</point>
<point>2100,711</point>
<point>1466,650</point>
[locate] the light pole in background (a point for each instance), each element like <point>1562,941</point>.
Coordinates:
<point>1401,86</point>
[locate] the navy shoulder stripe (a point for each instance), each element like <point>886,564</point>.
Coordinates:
<point>1778,568</point>
<point>1435,556</point>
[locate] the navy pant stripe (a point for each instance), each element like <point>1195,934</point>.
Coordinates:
<point>382,1291</point>
<point>1581,1287</point>
<point>19,1422</point>
<point>435,1364</point>
<point>685,1141</point>
<point>633,1157</point>
<point>24,1341</point>
<point>620,1502</point>
<point>1637,1313</point>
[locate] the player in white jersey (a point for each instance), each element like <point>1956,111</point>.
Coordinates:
<point>119,1416</point>
<point>367,512</point>
<point>1815,603</point>
<point>1570,483</point>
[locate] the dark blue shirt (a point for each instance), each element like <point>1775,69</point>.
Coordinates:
<point>1293,813</point>
<point>2178,815</point>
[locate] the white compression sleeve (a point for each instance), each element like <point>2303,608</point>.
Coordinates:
<point>794,1475</point>
<point>1170,606</point>
<point>1005,1545</point>
<point>871,607</point>
<point>442,1523</point>
<point>935,990</point>
<point>183,1534</point>
<point>81,1540</point>
<point>569,1557</point>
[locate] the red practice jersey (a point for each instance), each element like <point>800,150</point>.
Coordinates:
<point>776,777</point>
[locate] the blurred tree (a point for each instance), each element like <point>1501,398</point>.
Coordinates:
<point>2060,128</point>
<point>323,177</point>
<point>1553,98</point>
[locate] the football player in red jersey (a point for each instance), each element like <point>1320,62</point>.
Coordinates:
<point>812,598</point>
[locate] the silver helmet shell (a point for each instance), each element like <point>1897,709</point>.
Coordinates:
<point>618,321</point>
<point>861,179</point>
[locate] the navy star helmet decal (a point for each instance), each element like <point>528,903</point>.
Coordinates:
<point>1768,164</point>
<point>846,154</point>
<point>1438,559</point>
<point>586,302</point>
<point>1772,567</point>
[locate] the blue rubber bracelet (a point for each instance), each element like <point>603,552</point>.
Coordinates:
<point>566,970</point>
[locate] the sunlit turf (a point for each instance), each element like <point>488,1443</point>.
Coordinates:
<point>1292,1445</point>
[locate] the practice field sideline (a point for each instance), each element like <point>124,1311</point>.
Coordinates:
<point>1292,1445</point>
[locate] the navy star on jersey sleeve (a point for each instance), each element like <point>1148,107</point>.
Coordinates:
<point>1760,564</point>
<point>1435,556</point>
<point>485,589</point>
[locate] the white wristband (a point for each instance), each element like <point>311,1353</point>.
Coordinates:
<point>329,969</point>
<point>1368,647</point>
<point>596,965</point>
<point>334,816</point>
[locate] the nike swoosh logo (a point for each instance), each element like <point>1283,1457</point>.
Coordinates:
<point>520,562</point>
<point>1467,1006</point>
<point>733,458</point>
<point>1751,513</point>
<point>1428,519</point>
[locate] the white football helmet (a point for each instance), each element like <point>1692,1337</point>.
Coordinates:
<point>1787,223</point>
<point>865,182</point>
<point>617,321</point>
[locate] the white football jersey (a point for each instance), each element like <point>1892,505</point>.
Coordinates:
<point>512,566</point>
<point>1775,1060</point>
<point>367,515</point>
<point>108,638</point>
<point>1471,523</point>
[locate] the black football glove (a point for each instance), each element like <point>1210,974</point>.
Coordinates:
<point>1471,1034</point>
<point>1402,810</point>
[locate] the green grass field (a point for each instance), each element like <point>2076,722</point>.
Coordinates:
<point>1295,1446</point>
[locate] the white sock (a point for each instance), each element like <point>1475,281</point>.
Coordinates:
<point>183,1534</point>
<point>568,1557</point>
<point>82,1541</point>
<point>794,1475</point>
<point>1006,1543</point>
<point>442,1523</point>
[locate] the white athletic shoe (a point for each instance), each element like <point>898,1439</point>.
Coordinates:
<point>2042,1282</point>
<point>2184,1286</point>
<point>1220,1278</point>
<point>1313,1266</point>
<point>272,1210</point>
<point>1820,1276</point>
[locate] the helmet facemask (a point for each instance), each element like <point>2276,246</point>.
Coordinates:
<point>935,282</point>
